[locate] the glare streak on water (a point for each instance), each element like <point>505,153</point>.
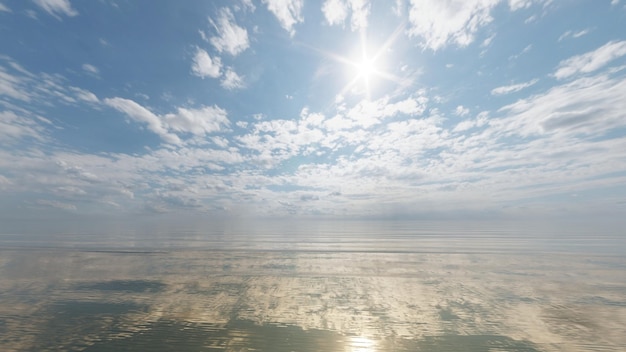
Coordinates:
<point>319,287</point>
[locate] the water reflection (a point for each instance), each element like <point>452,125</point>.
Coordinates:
<point>358,294</point>
<point>360,344</point>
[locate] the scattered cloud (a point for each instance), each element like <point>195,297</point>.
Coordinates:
<point>456,22</point>
<point>57,8</point>
<point>461,110</point>
<point>230,38</point>
<point>200,121</point>
<point>591,61</point>
<point>232,80</point>
<point>513,87</point>
<point>204,66</point>
<point>310,149</point>
<point>520,4</point>
<point>288,13</point>
<point>246,5</point>
<point>4,8</point>
<point>337,11</point>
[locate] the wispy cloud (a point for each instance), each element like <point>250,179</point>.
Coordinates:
<point>57,7</point>
<point>143,115</point>
<point>204,66</point>
<point>571,34</point>
<point>4,8</point>
<point>85,95</point>
<point>14,127</point>
<point>91,69</point>
<point>513,87</point>
<point>56,204</point>
<point>591,61</point>
<point>288,13</point>
<point>586,106</point>
<point>230,37</point>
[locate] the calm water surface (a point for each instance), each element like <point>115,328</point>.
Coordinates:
<point>368,286</point>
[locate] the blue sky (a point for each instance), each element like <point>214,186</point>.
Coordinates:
<point>339,109</point>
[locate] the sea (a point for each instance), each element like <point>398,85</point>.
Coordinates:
<point>315,286</point>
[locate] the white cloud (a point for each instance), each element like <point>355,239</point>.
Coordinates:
<point>586,106</point>
<point>526,49</point>
<point>565,35</point>
<point>465,125</point>
<point>141,114</point>
<point>11,86</point>
<point>360,13</point>
<point>246,5</point>
<point>578,34</point>
<point>57,7</point>
<point>205,66</point>
<point>368,113</point>
<point>14,127</point>
<point>91,69</point>
<point>56,204</point>
<point>441,23</point>
<point>513,87</point>
<point>461,110</point>
<point>488,41</point>
<point>288,13</point>
<point>4,8</point>
<point>337,11</point>
<point>520,4</point>
<point>201,121</point>
<point>232,80</point>
<point>85,95</point>
<point>591,61</point>
<point>230,37</point>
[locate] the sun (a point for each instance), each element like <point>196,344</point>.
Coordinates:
<point>365,68</point>
<point>364,71</point>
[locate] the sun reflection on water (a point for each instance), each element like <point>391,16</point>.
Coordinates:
<point>360,344</point>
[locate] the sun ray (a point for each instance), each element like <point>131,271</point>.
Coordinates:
<point>364,66</point>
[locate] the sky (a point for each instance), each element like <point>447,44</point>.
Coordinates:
<point>338,109</point>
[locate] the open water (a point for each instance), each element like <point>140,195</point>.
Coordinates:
<point>337,286</point>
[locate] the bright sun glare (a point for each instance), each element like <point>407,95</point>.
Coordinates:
<point>367,67</point>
